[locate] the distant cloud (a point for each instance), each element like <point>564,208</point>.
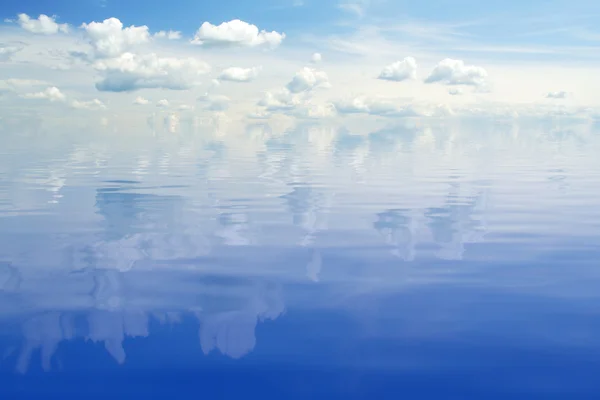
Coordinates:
<point>52,94</point>
<point>109,39</point>
<point>307,79</point>
<point>131,72</point>
<point>44,24</point>
<point>6,52</point>
<point>163,103</point>
<point>235,74</point>
<point>356,7</point>
<point>455,91</point>
<point>374,106</point>
<point>455,72</point>
<point>215,102</point>
<point>400,70</point>
<point>279,100</point>
<point>236,33</point>
<point>171,35</point>
<point>140,101</point>
<point>316,58</point>
<point>88,105</point>
<point>556,95</point>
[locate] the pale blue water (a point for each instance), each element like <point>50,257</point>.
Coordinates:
<point>409,260</point>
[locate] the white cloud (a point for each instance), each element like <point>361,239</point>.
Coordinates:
<point>235,74</point>
<point>110,39</point>
<point>455,91</point>
<point>400,70</point>
<point>52,93</point>
<point>215,102</point>
<point>185,107</point>
<point>6,52</point>
<point>171,35</point>
<point>88,105</point>
<point>455,72</point>
<point>316,58</point>
<point>130,72</point>
<point>316,111</point>
<point>374,106</point>
<point>307,79</point>
<point>236,33</point>
<point>163,103</point>
<point>15,82</point>
<point>43,24</point>
<point>140,101</point>
<point>556,95</point>
<point>279,100</point>
<point>357,7</point>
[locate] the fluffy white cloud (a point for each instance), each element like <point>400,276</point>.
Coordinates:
<point>315,111</point>
<point>110,39</point>
<point>88,105</point>
<point>140,101</point>
<point>400,70</point>
<point>307,79</point>
<point>235,74</point>
<point>455,92</point>
<point>373,106</point>
<point>6,52</point>
<point>236,32</point>
<point>556,95</point>
<point>130,72</point>
<point>316,58</point>
<point>52,93</point>
<point>455,72</point>
<point>43,24</point>
<point>171,35</point>
<point>163,103</point>
<point>214,102</point>
<point>279,100</point>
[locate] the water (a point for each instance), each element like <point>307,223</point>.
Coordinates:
<point>412,259</point>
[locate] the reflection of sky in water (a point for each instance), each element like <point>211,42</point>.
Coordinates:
<point>307,246</point>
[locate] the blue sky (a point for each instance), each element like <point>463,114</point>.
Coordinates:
<point>376,58</point>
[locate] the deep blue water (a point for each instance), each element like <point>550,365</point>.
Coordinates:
<point>413,260</point>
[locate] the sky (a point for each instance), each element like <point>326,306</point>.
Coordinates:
<point>301,59</point>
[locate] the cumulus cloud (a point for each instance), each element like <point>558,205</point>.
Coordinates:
<point>52,94</point>
<point>373,106</point>
<point>455,72</point>
<point>556,95</point>
<point>455,91</point>
<point>316,58</point>
<point>6,52</point>
<point>214,102</point>
<point>109,39</point>
<point>316,111</point>
<point>171,35</point>
<point>279,100</point>
<point>236,33</point>
<point>88,105</point>
<point>140,101</point>
<point>163,103</point>
<point>44,24</point>
<point>400,70</point>
<point>235,74</point>
<point>308,79</point>
<point>130,72</point>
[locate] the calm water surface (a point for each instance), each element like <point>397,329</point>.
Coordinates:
<point>412,260</point>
